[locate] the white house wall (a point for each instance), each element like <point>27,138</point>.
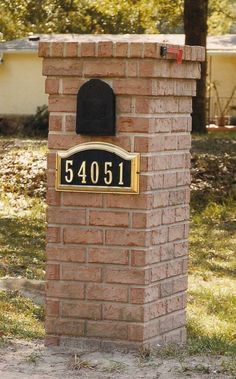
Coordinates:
<point>21,84</point>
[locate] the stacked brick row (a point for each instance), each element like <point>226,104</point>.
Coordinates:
<point>117,263</point>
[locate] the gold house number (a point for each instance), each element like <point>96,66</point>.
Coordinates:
<point>97,167</point>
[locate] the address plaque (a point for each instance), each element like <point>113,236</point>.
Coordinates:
<point>97,167</point>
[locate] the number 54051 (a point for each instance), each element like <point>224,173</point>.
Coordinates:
<point>93,173</point>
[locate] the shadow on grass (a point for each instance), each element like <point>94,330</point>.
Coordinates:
<point>20,317</point>
<point>22,247</point>
<point>200,343</point>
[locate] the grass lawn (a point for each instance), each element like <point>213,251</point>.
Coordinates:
<point>212,287</point>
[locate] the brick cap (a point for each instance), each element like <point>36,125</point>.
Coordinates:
<point>108,45</point>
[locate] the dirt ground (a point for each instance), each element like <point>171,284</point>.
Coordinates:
<point>31,360</point>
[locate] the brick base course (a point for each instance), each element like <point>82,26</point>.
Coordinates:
<point>117,264</point>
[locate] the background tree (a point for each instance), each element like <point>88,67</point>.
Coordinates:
<point>195,27</point>
<point>20,17</point>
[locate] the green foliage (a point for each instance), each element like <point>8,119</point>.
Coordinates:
<point>222,16</point>
<point>20,317</point>
<point>37,125</point>
<point>20,17</point>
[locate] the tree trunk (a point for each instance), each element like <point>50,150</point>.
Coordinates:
<point>195,27</point>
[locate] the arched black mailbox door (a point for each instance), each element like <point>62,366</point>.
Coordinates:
<point>95,109</point>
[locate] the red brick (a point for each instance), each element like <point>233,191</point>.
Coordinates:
<point>51,178</point>
<point>55,123</point>
<point>66,216</point>
<point>136,332</point>
<point>180,248</point>
<point>167,252</point>
<point>82,236</point>
<point>153,180</point>
<point>81,310</point>
<point>132,68</point>
<point>157,105</point>
<point>65,141</point>
<point>156,309</point>
<point>180,284</point>
<point>166,288</point>
<point>183,178</point>
<point>105,49</point>
<point>88,49</point>
<point>62,67</point>
<point>136,49</point>
<point>70,123</point>
<point>71,290</point>
<point>132,87</point>
<point>169,180</point>
<point>104,68</point>
<point>122,312</point>
<point>147,68</point>
<point>127,237</point>
<point>107,292</point>
<point>184,142</point>
<point>52,86</point>
<point>68,254</point>
<point>52,308</point>
<point>139,257</point>
<point>123,104</point>
<point>185,105</point>
<point>182,213</point>
<point>177,197</point>
<point>71,49</point>
<point>53,197</point>
<point>57,49</point>
<point>174,268</point>
<point>150,50</point>
<point>71,86</point>
<point>52,271</point>
<point>168,216</point>
<point>53,234</point>
<point>122,141</point>
<point>146,219</point>
<point>109,218</point>
<point>175,303</point>
<point>160,199</point>
<point>51,157</point>
<point>176,232</point>
<point>121,49</point>
<point>73,271</point>
<point>170,142</point>
<point>179,319</point>
<point>166,323</point>
<point>65,327</point>
<point>144,295</point>
<point>108,255</point>
<point>128,201</point>
<point>131,276</point>
<point>158,272</point>
<point>133,124</point>
<point>149,144</point>
<point>82,199</point>
<point>185,266</point>
<point>181,124</point>
<point>62,104</point>
<point>160,235</point>
<point>44,49</point>
<point>107,330</point>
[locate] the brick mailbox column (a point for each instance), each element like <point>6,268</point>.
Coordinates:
<point>117,263</point>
